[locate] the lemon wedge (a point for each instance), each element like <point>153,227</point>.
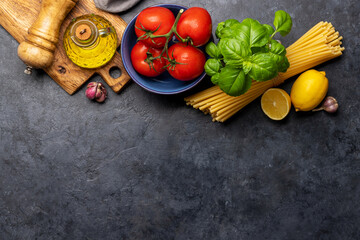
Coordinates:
<point>276,103</point>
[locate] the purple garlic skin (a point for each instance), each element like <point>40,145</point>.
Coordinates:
<point>329,105</point>
<point>103,96</point>
<point>90,93</point>
<point>96,91</point>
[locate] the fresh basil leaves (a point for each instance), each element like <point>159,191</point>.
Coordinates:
<point>282,22</point>
<point>247,51</point>
<point>213,51</point>
<point>234,81</point>
<point>212,67</point>
<point>263,67</point>
<point>252,32</point>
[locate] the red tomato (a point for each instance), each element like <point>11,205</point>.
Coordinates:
<point>139,54</point>
<point>195,23</point>
<point>158,20</point>
<point>189,64</point>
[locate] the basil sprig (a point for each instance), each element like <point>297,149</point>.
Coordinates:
<point>246,52</point>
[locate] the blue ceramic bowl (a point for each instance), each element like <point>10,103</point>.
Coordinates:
<point>163,84</point>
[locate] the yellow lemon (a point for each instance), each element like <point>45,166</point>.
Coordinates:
<point>309,90</point>
<point>276,103</point>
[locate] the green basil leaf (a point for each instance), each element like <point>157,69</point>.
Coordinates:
<point>263,49</point>
<point>234,51</point>
<point>283,65</point>
<point>270,29</point>
<point>247,66</point>
<point>263,67</point>
<point>282,22</point>
<point>220,44</point>
<point>252,32</point>
<point>231,22</point>
<point>234,63</point>
<point>278,60</point>
<point>212,50</point>
<point>215,78</point>
<point>219,27</point>
<point>277,48</point>
<point>212,66</point>
<point>247,85</point>
<point>278,52</point>
<point>233,81</point>
<point>228,33</point>
<point>223,29</point>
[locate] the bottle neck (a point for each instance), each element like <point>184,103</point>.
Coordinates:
<point>84,33</point>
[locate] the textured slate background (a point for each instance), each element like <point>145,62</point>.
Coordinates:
<point>145,166</point>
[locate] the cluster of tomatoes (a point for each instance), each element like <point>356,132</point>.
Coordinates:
<point>155,28</point>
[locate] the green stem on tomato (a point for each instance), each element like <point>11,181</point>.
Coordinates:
<point>174,27</point>
<point>168,35</point>
<point>172,30</point>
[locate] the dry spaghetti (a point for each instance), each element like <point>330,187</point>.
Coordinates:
<point>320,44</point>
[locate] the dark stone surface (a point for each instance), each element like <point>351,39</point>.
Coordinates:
<point>144,166</point>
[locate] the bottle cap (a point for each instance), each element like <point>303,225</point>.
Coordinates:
<point>83,32</point>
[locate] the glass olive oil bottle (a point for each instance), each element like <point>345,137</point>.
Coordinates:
<point>90,41</point>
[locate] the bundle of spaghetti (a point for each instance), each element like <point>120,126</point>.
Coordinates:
<point>320,44</point>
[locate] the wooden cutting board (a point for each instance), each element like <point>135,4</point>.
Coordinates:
<point>16,16</point>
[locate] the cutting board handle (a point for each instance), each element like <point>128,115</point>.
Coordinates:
<point>105,72</point>
<point>37,51</point>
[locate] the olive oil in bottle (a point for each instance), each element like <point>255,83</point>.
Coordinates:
<point>90,41</point>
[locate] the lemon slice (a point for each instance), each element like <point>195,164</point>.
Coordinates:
<point>276,103</point>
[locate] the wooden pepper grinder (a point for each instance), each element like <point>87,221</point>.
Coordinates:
<point>37,51</point>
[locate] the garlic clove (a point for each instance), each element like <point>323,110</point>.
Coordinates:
<point>92,84</point>
<point>329,105</point>
<point>90,93</point>
<point>96,91</point>
<point>103,96</point>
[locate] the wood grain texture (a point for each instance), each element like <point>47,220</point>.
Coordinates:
<point>16,16</point>
<point>37,51</point>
